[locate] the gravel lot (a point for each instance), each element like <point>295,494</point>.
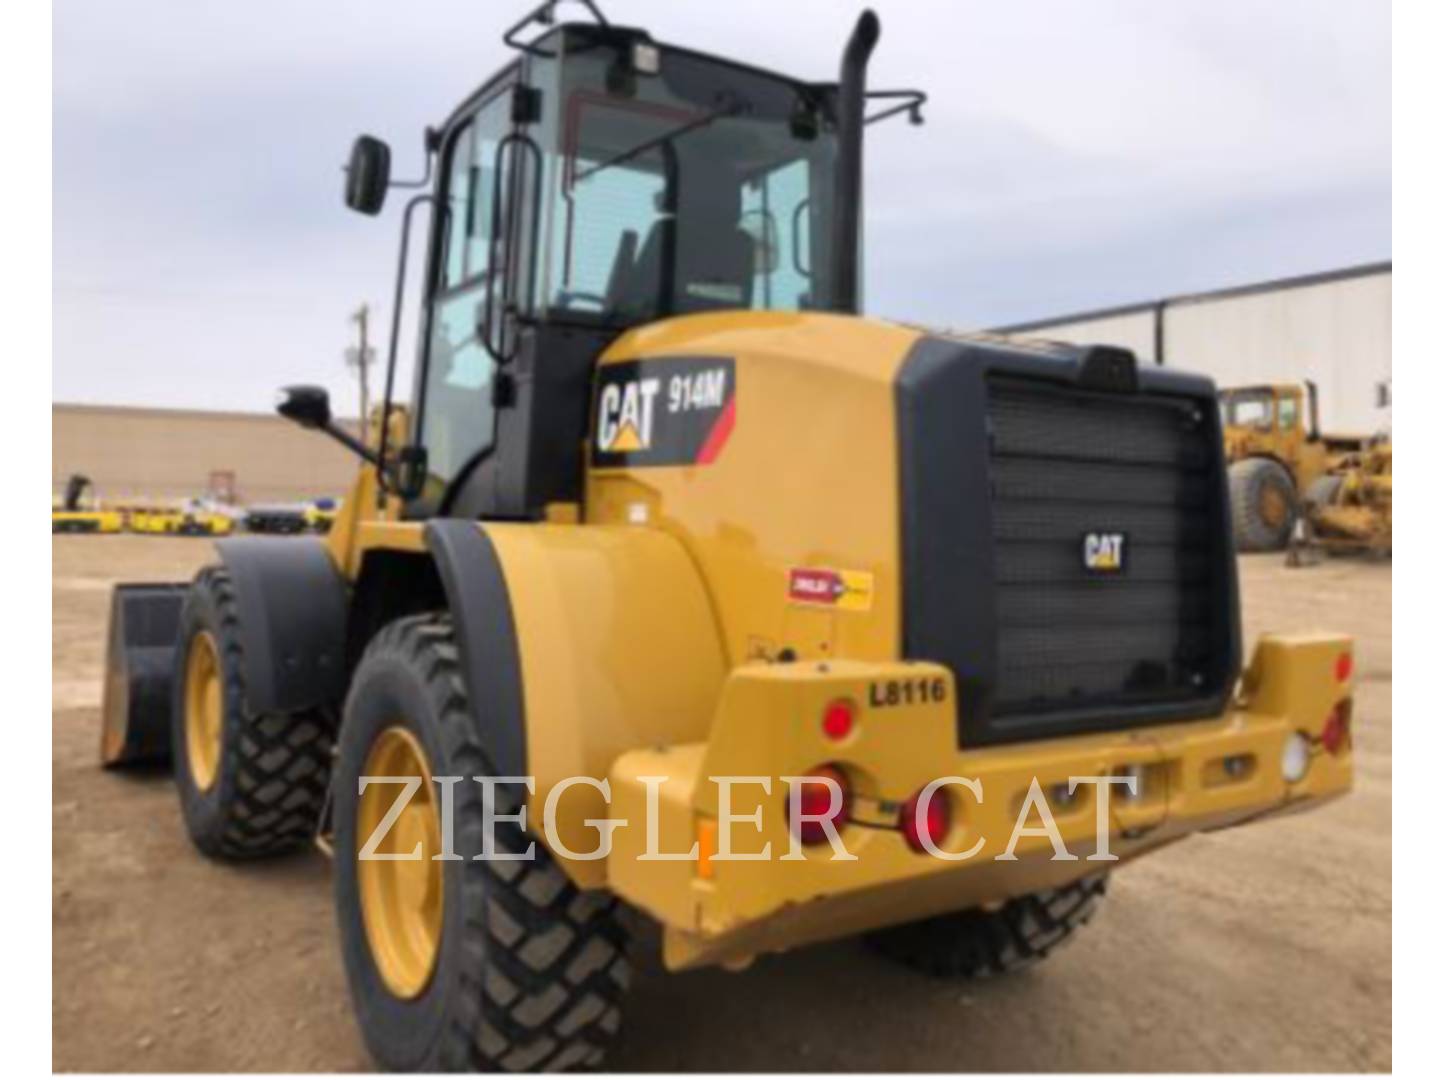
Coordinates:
<point>1258,949</point>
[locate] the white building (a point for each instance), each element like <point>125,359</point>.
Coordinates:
<point>1332,328</point>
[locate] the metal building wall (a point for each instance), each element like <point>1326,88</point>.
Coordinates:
<point>1336,333</point>
<point>170,454</point>
<point>1331,328</point>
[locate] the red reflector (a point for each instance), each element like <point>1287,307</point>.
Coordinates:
<point>936,822</point>
<point>818,803</point>
<point>1344,665</point>
<point>839,719</point>
<point>1337,728</point>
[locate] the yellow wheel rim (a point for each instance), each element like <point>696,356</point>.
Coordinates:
<point>402,901</point>
<point>1273,506</point>
<point>204,709</point>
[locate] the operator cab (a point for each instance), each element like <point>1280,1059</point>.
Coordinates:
<point>1269,409</point>
<point>604,181</point>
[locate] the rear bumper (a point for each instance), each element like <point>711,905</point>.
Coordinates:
<point>1192,776</point>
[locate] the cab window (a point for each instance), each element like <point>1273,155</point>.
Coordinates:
<point>1250,410</point>
<point>775,211</point>
<point>458,418</point>
<point>1289,413</point>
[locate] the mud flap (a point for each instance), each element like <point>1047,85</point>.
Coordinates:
<point>139,668</point>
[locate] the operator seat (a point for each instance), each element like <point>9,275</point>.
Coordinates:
<point>714,257</point>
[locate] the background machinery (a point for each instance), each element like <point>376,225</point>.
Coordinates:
<point>1350,509</point>
<point>74,514</point>
<point>664,508</point>
<point>320,514</point>
<point>1279,462</point>
<point>1285,472</point>
<point>280,520</point>
<point>188,518</point>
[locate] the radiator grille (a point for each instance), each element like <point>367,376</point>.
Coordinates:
<point>1064,463</point>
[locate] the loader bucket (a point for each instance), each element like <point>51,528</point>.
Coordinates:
<point>139,662</point>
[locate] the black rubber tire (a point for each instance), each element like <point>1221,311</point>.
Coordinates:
<point>978,943</point>
<point>1322,490</point>
<point>1249,480</point>
<point>274,771</point>
<point>531,971</point>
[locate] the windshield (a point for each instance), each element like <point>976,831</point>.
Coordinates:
<point>703,187</point>
<point>1251,408</point>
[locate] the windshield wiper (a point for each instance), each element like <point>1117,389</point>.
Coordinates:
<point>732,109</point>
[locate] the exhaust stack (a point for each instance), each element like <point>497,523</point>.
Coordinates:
<point>845,243</point>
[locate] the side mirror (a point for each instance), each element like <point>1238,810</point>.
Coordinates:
<point>367,177</point>
<point>308,406</point>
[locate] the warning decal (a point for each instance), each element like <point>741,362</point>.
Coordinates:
<point>844,590</point>
<point>672,411</point>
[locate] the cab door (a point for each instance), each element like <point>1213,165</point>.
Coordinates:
<point>470,258</point>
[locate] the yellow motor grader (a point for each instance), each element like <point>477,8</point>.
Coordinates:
<point>681,594</point>
<point>1279,464</point>
<point>1350,509</point>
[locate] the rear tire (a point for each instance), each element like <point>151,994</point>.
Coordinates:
<point>250,786</point>
<point>1263,504</point>
<point>520,970</point>
<point>978,943</point>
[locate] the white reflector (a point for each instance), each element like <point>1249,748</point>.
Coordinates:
<point>1295,761</point>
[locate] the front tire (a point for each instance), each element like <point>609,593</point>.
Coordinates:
<point>464,964</point>
<point>250,786</point>
<point>979,943</point>
<point>1263,504</point>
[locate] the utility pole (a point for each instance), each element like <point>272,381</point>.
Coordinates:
<point>361,359</point>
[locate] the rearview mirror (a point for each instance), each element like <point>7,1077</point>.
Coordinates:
<point>308,406</point>
<point>367,177</point>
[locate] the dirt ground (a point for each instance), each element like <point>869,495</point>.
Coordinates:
<point>1264,948</point>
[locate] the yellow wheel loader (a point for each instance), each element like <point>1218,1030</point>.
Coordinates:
<point>683,595</point>
<point>1279,464</point>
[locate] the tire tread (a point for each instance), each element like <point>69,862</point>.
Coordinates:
<point>281,762</point>
<point>528,1001</point>
<point>981,944</point>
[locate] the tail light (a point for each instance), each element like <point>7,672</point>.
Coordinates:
<point>819,803</point>
<point>1344,666</point>
<point>935,823</point>
<point>839,720</point>
<point>1337,728</point>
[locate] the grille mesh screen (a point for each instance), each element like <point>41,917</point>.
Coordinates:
<point>1065,463</point>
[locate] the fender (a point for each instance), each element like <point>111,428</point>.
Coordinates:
<point>578,643</point>
<point>479,602</point>
<point>293,604</point>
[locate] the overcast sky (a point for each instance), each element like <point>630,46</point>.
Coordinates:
<point>1078,154</point>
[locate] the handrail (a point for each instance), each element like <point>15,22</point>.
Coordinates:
<point>914,101</point>
<point>514,209</point>
<point>395,318</point>
<point>544,15</point>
